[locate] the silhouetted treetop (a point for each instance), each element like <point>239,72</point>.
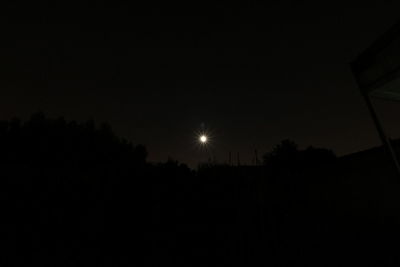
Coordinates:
<point>286,151</point>
<point>287,155</point>
<point>57,141</point>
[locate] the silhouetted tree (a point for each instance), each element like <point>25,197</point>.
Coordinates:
<point>66,187</point>
<point>285,151</point>
<point>77,192</point>
<point>287,156</point>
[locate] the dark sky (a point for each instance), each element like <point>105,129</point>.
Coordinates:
<point>254,73</point>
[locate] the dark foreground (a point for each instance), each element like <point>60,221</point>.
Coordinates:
<point>169,215</point>
<point>86,198</point>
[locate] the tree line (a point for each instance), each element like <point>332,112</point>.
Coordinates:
<point>75,194</point>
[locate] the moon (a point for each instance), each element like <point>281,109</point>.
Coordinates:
<point>203,139</point>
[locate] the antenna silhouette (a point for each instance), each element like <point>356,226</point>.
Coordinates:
<point>256,157</point>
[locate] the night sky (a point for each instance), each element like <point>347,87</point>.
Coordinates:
<point>254,73</point>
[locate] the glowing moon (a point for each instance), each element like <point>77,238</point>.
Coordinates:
<point>203,139</point>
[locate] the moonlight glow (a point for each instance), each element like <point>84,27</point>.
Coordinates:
<point>203,139</point>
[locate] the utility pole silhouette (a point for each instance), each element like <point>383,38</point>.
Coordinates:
<point>256,157</point>
<point>384,139</point>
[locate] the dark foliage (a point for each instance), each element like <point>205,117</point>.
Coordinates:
<point>73,194</point>
<point>66,189</point>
